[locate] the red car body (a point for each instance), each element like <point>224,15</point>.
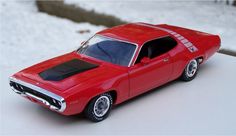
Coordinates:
<point>75,92</point>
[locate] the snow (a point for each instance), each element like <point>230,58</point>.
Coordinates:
<point>207,16</point>
<point>23,27</point>
<point>205,105</point>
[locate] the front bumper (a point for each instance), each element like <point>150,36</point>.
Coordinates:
<point>49,99</point>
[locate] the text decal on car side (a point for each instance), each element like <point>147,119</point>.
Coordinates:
<point>181,38</point>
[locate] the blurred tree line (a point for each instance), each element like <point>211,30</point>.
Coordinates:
<point>228,2</point>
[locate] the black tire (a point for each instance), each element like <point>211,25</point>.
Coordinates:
<point>92,110</point>
<point>187,74</point>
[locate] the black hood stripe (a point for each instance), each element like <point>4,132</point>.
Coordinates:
<point>66,69</point>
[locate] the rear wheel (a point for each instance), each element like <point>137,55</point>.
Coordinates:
<point>99,107</point>
<point>190,70</point>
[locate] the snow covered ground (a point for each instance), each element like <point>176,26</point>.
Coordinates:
<point>205,105</point>
<point>200,15</point>
<point>24,28</point>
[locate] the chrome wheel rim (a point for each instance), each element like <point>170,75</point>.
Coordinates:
<point>101,106</point>
<point>192,68</point>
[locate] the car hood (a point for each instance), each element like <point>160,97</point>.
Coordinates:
<point>65,71</point>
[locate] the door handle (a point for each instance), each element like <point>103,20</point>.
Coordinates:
<point>166,59</point>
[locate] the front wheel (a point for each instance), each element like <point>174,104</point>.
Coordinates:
<point>99,107</point>
<point>190,70</point>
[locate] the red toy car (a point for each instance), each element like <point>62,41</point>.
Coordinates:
<point>113,66</point>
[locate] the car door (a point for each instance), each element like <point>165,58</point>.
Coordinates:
<point>144,77</point>
<point>156,71</point>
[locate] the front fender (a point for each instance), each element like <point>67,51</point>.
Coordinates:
<point>79,96</point>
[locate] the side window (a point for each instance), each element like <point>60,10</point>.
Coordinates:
<point>156,48</point>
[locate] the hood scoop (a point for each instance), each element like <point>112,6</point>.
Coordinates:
<point>66,69</point>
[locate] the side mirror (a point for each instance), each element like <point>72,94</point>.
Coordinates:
<point>145,60</point>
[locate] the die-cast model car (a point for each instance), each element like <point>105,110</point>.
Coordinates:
<point>114,65</point>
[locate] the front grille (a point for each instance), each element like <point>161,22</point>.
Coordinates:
<point>18,87</point>
<point>21,87</point>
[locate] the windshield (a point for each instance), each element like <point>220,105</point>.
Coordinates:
<point>109,50</point>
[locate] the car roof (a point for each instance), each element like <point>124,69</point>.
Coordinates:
<point>137,33</point>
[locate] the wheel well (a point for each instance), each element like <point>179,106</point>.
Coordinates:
<point>199,59</point>
<point>113,95</point>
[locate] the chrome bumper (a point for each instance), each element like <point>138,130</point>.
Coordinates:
<point>50,99</point>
